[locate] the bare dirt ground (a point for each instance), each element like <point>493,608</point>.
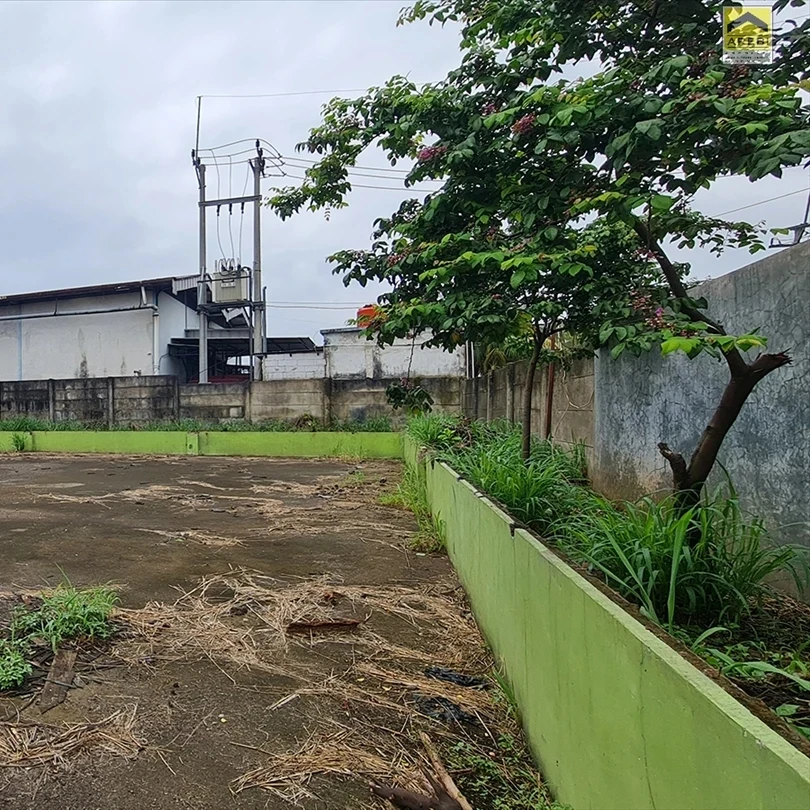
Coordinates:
<point>216,685</point>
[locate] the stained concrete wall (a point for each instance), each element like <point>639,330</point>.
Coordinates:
<point>643,401</point>
<point>289,399</point>
<point>107,400</point>
<point>499,395</point>
<point>217,402</point>
<point>351,355</point>
<point>362,398</point>
<point>134,400</point>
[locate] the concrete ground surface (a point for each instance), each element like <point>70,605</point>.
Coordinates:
<point>153,526</point>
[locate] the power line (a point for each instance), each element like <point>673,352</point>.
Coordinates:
<point>242,218</point>
<point>230,208</point>
<point>761,202</point>
<point>219,194</point>
<point>354,173</point>
<point>285,95</point>
<point>383,188</point>
<point>365,168</point>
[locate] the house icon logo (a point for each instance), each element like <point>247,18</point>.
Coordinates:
<point>747,34</point>
<point>746,19</point>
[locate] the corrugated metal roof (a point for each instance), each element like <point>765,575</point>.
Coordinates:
<point>86,292</point>
<point>185,283</point>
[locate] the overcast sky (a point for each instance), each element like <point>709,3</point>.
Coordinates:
<point>97,120</point>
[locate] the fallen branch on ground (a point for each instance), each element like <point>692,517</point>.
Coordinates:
<point>446,795</point>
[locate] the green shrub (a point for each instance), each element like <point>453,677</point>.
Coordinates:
<point>13,666</point>
<point>67,613</point>
<point>376,424</point>
<point>537,493</point>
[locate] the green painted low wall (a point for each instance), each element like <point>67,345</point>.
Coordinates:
<point>213,443</point>
<point>616,718</point>
<point>135,442</point>
<point>302,445</point>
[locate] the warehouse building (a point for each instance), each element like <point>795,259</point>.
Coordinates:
<point>151,327</point>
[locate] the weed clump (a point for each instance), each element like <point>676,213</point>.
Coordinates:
<point>65,614</point>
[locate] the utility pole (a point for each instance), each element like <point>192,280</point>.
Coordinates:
<point>253,292</point>
<point>202,284</point>
<point>258,299</point>
<point>798,230</point>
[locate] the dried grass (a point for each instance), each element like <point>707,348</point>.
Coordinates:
<point>196,536</point>
<point>203,617</point>
<point>201,623</point>
<point>27,745</point>
<point>289,775</point>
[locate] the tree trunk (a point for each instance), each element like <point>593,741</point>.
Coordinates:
<point>528,392</point>
<point>689,480</point>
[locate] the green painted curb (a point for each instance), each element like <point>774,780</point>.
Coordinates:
<point>135,442</point>
<point>302,445</point>
<point>211,443</point>
<point>616,718</point>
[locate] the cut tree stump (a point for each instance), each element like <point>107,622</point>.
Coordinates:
<point>59,680</point>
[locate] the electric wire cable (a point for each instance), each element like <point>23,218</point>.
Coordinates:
<point>382,188</point>
<point>761,202</point>
<point>219,194</point>
<point>242,218</point>
<point>364,168</point>
<point>230,207</point>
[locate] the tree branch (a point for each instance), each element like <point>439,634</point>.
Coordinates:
<point>446,795</point>
<point>736,362</point>
<point>680,473</point>
<point>444,777</point>
<point>766,363</point>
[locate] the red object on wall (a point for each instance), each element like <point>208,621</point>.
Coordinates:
<point>366,314</point>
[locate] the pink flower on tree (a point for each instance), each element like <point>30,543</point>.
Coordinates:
<point>430,152</point>
<point>656,320</point>
<point>524,125</point>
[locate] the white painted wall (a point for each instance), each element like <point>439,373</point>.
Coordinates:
<point>296,366</point>
<point>63,344</point>
<point>350,354</point>
<point>174,318</point>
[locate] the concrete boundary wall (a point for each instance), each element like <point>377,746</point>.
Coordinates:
<point>616,718</point>
<point>127,401</point>
<point>621,409</point>
<point>177,443</point>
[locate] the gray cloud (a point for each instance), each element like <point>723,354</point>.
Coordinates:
<point>97,121</point>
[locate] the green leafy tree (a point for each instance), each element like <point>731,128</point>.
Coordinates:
<point>562,197</point>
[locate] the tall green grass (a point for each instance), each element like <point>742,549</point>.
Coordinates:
<point>537,493</point>
<point>67,613</point>
<point>646,551</point>
<point>411,494</point>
